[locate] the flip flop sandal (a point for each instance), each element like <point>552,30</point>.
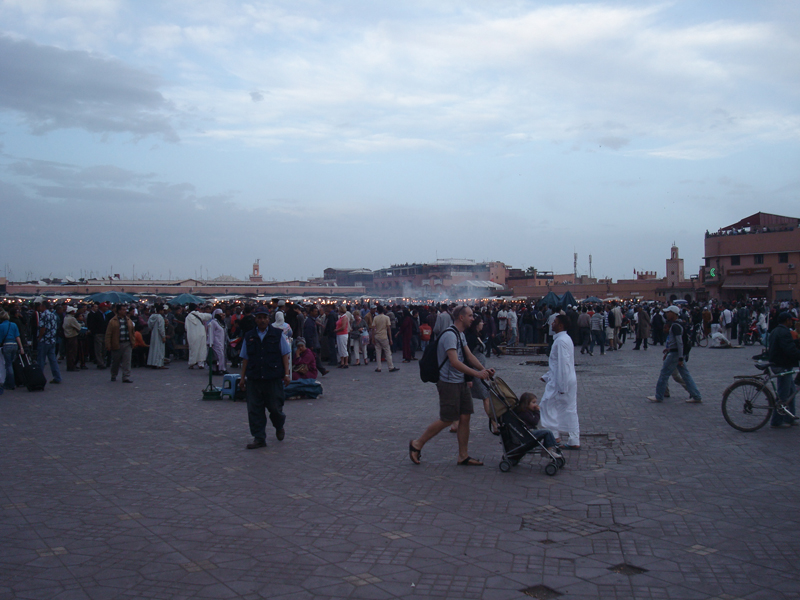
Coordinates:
<point>471,462</point>
<point>411,451</point>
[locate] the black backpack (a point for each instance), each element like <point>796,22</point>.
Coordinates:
<point>611,319</point>
<point>686,337</point>
<point>429,366</point>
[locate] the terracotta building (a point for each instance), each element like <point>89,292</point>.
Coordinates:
<point>758,257</point>
<point>646,285</point>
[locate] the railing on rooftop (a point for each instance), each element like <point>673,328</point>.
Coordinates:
<point>752,230</point>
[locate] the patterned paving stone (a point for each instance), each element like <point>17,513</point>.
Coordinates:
<point>147,492</point>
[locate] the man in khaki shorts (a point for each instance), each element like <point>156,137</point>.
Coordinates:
<point>455,400</point>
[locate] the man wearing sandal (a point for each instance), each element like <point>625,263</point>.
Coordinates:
<point>455,400</point>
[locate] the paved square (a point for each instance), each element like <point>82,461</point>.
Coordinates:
<point>145,491</point>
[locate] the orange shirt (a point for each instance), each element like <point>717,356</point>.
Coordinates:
<point>138,340</point>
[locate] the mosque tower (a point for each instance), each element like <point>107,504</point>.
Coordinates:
<point>256,276</point>
<point>674,268</point>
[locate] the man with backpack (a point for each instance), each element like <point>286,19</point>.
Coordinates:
<point>455,400</point>
<point>674,358</point>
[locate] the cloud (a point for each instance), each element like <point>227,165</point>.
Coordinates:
<point>53,89</point>
<point>613,142</point>
<point>466,75</point>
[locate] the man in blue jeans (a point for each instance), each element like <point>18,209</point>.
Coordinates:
<point>48,341</point>
<point>784,355</point>
<point>674,359</point>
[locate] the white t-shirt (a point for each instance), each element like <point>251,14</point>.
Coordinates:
<point>502,319</point>
<point>512,319</point>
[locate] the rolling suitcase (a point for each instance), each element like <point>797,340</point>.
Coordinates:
<point>19,371</point>
<point>33,374</point>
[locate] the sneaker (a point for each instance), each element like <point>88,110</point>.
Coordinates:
<point>394,370</point>
<point>256,443</point>
<point>55,381</point>
<point>694,401</point>
<point>653,399</point>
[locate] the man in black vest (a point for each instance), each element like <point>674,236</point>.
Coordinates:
<point>265,370</point>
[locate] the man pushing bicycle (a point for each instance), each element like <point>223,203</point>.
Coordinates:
<point>784,355</point>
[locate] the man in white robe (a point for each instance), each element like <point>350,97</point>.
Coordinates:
<point>196,337</point>
<point>217,339</point>
<point>559,404</point>
<point>158,337</point>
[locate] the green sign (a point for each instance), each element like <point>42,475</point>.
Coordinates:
<point>712,272</point>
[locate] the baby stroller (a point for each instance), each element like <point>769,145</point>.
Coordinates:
<point>517,439</point>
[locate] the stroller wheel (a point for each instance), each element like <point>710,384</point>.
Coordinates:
<point>505,466</point>
<point>560,462</point>
<point>551,469</point>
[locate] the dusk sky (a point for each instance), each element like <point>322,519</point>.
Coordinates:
<point>192,134</point>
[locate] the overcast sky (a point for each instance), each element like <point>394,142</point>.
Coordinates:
<point>192,134</point>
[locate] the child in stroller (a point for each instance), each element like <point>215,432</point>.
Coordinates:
<point>517,421</point>
<point>528,411</point>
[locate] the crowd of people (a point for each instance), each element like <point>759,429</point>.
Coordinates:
<point>317,337</point>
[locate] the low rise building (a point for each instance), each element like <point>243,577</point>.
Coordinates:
<point>441,276</point>
<point>646,285</point>
<point>757,257</point>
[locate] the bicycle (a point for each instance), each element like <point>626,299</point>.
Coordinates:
<point>700,337</point>
<point>747,404</point>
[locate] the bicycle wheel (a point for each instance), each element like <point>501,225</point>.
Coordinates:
<point>702,340</point>
<point>747,404</point>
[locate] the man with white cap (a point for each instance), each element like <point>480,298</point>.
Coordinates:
<point>674,359</point>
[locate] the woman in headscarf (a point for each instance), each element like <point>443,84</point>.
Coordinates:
<point>305,363</point>
<point>280,323</point>
<point>216,340</point>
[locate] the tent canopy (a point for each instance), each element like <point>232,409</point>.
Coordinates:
<point>551,299</point>
<point>568,299</point>
<point>186,299</point>
<point>112,297</point>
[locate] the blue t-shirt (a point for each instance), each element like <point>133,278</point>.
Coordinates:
<point>285,347</point>
<point>9,332</point>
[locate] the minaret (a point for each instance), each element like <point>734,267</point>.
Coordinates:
<point>256,276</point>
<point>674,268</point>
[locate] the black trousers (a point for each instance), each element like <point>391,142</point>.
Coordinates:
<point>264,395</point>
